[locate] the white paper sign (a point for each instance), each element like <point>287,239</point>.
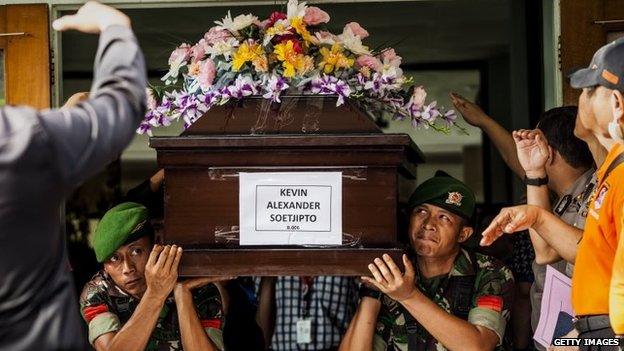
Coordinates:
<point>290,208</point>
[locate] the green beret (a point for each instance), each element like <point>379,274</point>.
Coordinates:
<point>446,192</point>
<point>123,223</point>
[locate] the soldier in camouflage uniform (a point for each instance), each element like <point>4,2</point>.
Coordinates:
<point>454,299</point>
<point>129,306</point>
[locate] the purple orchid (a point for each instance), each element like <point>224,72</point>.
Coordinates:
<point>449,118</point>
<point>275,87</point>
<point>429,112</point>
<point>144,128</point>
<point>243,86</point>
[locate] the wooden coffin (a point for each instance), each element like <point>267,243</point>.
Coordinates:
<point>303,134</point>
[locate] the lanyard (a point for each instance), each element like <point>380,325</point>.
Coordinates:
<point>306,295</point>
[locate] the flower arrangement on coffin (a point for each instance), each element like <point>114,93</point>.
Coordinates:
<point>290,51</point>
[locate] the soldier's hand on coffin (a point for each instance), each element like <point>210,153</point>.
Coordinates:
<point>161,270</point>
<point>92,17</point>
<point>194,283</point>
<point>389,279</point>
<point>533,151</point>
<point>472,113</point>
<point>510,220</point>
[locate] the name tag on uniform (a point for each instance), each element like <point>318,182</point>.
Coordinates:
<point>304,331</point>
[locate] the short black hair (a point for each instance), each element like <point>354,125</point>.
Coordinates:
<point>557,124</point>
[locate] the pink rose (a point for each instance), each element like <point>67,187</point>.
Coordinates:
<point>389,57</point>
<point>314,16</point>
<point>215,35</point>
<point>356,29</point>
<point>370,62</point>
<point>180,54</point>
<point>418,96</point>
<point>198,51</point>
<point>207,74</point>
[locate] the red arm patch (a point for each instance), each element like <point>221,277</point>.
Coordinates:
<point>491,302</point>
<point>93,311</point>
<point>211,323</point>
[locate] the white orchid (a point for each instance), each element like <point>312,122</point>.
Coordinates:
<point>223,47</point>
<point>324,37</point>
<point>295,9</point>
<point>353,43</point>
<point>236,24</point>
<point>174,70</point>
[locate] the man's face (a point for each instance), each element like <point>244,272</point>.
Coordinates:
<point>127,266</point>
<point>436,232</point>
<point>594,112</point>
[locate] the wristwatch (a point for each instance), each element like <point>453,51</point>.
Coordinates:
<point>368,292</point>
<point>535,181</point>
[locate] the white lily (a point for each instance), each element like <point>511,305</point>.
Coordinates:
<point>353,43</point>
<point>224,47</point>
<point>174,71</point>
<point>236,24</point>
<point>295,9</point>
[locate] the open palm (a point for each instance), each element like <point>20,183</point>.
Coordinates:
<point>532,150</point>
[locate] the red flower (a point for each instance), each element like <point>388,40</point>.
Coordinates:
<point>275,16</point>
<point>289,37</point>
<point>297,46</point>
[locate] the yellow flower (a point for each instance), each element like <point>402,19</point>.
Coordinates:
<point>292,62</point>
<point>334,59</point>
<point>246,52</point>
<point>277,29</point>
<point>301,29</point>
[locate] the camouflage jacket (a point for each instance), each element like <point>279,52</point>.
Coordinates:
<point>106,307</point>
<point>489,307</point>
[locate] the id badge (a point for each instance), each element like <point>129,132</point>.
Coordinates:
<point>304,331</point>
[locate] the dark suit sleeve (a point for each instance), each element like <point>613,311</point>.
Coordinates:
<point>85,138</point>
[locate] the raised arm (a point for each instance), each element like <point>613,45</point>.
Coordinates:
<point>501,138</point>
<point>193,331</point>
<point>265,315</point>
<point>86,137</point>
<point>361,331</point>
<point>533,154</point>
<point>557,233</point>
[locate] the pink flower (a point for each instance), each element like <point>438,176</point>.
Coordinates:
<point>418,97</point>
<point>314,16</point>
<point>370,62</point>
<point>151,101</point>
<point>356,29</point>
<point>215,35</point>
<point>180,54</point>
<point>389,57</point>
<point>198,51</point>
<point>207,74</point>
